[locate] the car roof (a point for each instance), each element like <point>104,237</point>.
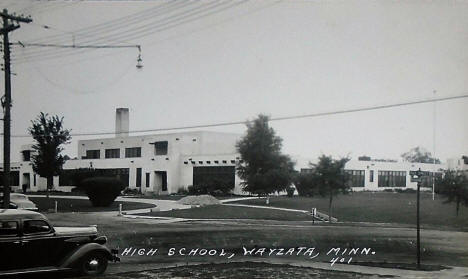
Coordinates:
<point>15,214</point>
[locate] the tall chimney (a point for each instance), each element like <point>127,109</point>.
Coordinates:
<point>121,122</point>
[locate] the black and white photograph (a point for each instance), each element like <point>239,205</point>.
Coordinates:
<point>226,139</point>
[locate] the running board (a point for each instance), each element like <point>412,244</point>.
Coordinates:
<point>32,270</point>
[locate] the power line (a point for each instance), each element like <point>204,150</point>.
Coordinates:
<point>73,46</point>
<point>148,29</point>
<point>94,31</point>
<point>301,116</point>
<point>121,21</point>
<point>192,31</point>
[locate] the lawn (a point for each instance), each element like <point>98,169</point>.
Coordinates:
<point>378,207</point>
<point>80,205</point>
<point>232,212</point>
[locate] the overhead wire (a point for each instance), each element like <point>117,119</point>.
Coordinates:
<point>109,84</point>
<point>192,31</point>
<point>301,116</point>
<point>129,19</point>
<point>165,23</point>
<point>122,29</point>
<point>154,12</point>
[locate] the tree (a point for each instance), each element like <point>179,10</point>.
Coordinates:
<point>454,186</point>
<point>263,168</point>
<point>306,183</point>
<point>49,136</point>
<point>419,155</point>
<point>330,179</point>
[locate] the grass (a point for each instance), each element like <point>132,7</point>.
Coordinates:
<point>232,212</point>
<point>378,207</point>
<point>392,245</point>
<point>80,205</point>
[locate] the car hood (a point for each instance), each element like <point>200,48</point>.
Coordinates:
<point>75,230</point>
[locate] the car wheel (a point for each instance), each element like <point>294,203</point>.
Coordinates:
<point>93,264</point>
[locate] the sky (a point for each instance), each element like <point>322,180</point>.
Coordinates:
<point>208,62</point>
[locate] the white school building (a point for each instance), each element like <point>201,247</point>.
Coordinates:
<point>164,163</point>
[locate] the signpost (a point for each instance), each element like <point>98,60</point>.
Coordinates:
<point>417,177</point>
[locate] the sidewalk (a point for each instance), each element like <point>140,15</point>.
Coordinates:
<point>162,205</point>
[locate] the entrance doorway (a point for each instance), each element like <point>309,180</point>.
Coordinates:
<point>160,181</point>
<point>26,185</point>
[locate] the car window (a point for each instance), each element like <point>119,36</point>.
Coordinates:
<point>8,228</point>
<point>35,226</point>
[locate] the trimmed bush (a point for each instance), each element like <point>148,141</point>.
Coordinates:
<point>128,191</point>
<point>102,191</point>
<point>182,191</point>
<point>214,187</point>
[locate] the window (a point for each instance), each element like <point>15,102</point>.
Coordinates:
<point>36,226</point>
<point>392,178</point>
<point>371,176</point>
<point>14,178</point>
<point>26,155</point>
<point>93,154</point>
<point>112,153</point>
<point>160,147</point>
<point>132,152</point>
<point>356,178</point>
<point>147,180</point>
<point>8,228</point>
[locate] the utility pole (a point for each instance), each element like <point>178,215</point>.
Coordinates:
<point>10,23</point>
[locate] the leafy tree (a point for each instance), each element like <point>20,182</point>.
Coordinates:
<point>329,178</point>
<point>102,190</point>
<point>306,184</point>
<point>263,168</point>
<point>454,186</point>
<point>419,155</point>
<point>49,136</point>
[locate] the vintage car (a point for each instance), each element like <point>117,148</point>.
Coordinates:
<point>30,244</point>
<point>21,201</point>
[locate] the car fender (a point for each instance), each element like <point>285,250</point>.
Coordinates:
<point>73,258</point>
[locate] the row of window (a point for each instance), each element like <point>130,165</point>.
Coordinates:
<point>160,148</point>
<point>392,179</point>
<point>355,178</point>
<point>132,152</point>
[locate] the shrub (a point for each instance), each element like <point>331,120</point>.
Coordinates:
<point>390,190</point>
<point>408,190</point>
<point>196,190</point>
<point>182,191</point>
<point>102,191</point>
<point>128,191</point>
<point>290,191</point>
<point>214,187</point>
